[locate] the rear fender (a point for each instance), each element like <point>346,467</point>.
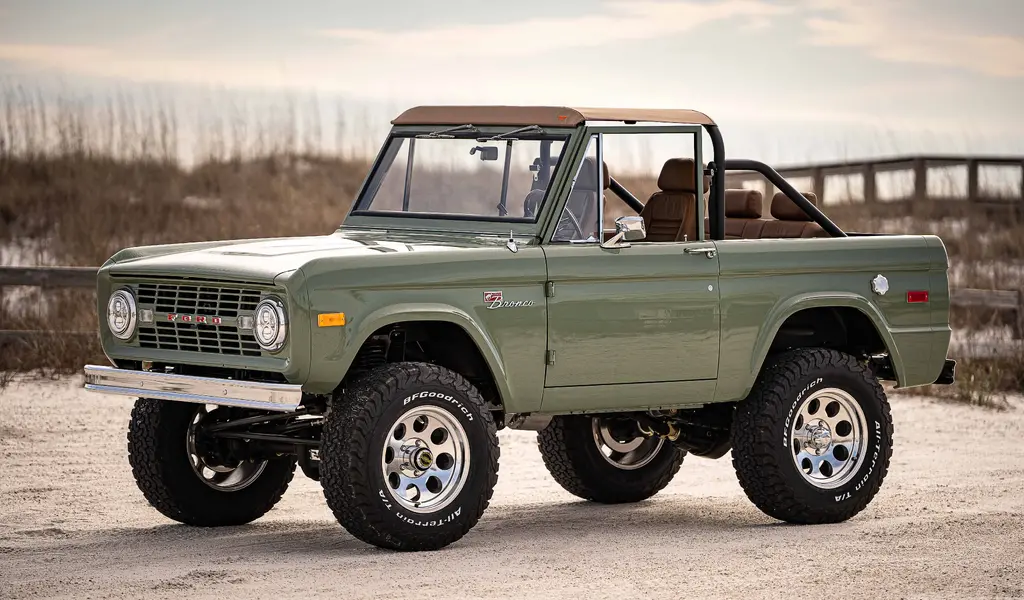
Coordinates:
<point>789,307</point>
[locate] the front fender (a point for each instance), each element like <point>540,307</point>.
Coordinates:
<point>326,381</point>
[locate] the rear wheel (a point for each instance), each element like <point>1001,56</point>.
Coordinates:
<point>606,459</point>
<point>812,441</point>
<point>193,478</point>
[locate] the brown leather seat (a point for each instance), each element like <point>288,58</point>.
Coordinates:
<point>743,214</point>
<point>791,221</point>
<point>670,215</point>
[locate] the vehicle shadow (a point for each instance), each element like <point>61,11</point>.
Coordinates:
<point>533,524</point>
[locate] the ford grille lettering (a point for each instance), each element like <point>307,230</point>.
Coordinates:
<point>195,319</point>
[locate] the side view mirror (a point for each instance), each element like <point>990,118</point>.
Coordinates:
<point>627,229</point>
<point>486,152</point>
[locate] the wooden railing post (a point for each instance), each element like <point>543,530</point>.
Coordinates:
<point>818,183</point>
<point>920,180</point>
<point>1019,332</point>
<point>972,180</point>
<point>870,193</point>
<point>1021,198</point>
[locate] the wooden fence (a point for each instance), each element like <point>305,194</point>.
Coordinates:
<point>44,277</point>
<point>955,181</point>
<point>85,277</point>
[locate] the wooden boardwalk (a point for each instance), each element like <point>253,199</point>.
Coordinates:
<point>949,183</point>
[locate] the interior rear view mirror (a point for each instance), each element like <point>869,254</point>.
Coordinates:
<point>486,152</point>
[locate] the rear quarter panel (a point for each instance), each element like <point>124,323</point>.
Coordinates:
<point>763,282</point>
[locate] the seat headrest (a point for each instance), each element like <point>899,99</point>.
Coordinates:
<point>677,175</point>
<point>588,175</point>
<point>785,209</point>
<point>743,204</point>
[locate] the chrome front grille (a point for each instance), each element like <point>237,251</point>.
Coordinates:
<point>197,318</point>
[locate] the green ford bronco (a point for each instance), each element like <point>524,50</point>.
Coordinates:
<point>474,286</point>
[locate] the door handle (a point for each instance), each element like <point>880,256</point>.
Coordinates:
<point>710,252</point>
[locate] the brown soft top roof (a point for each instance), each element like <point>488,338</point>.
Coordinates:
<point>548,116</point>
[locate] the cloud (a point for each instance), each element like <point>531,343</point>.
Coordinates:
<point>620,21</point>
<point>889,32</point>
<point>100,61</point>
<point>380,63</point>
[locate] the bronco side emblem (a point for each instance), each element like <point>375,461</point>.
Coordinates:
<point>496,300</point>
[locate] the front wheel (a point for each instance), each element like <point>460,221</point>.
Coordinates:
<point>606,459</point>
<point>812,441</point>
<point>194,479</point>
<point>409,457</point>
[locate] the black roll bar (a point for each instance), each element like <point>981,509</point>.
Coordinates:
<point>619,190</point>
<point>736,164</point>
<point>716,205</point>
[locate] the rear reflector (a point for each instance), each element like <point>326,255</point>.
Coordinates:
<point>917,296</point>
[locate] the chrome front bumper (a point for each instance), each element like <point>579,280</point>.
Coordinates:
<point>281,397</point>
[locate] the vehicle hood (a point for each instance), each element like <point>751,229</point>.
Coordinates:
<point>264,260</point>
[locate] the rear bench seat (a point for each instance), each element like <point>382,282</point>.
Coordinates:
<point>743,214</point>
<point>743,217</point>
<point>791,221</point>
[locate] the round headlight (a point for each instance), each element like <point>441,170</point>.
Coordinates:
<point>270,326</point>
<point>121,314</point>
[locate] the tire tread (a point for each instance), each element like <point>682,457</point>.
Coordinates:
<point>345,469</point>
<point>761,417</point>
<point>563,447</point>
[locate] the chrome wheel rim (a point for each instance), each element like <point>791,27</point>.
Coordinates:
<point>217,476</point>
<point>425,460</point>
<point>828,438</point>
<point>629,454</point>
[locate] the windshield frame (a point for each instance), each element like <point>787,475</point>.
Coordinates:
<point>360,218</point>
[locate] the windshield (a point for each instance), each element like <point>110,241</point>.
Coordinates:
<point>464,174</point>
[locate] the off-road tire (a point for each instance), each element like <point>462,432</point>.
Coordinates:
<point>762,451</point>
<point>574,460</point>
<point>158,455</point>
<point>355,431</point>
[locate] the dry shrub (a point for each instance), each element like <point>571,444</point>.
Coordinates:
<point>986,382</point>
<point>87,208</point>
<point>66,322</point>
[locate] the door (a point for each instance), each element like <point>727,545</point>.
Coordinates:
<point>644,314</point>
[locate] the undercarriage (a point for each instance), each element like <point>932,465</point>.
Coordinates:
<point>229,436</point>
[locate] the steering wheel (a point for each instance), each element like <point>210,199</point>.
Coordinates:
<point>572,220</point>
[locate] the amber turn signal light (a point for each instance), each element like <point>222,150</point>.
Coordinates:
<point>330,319</point>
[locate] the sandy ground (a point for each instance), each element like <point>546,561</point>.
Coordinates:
<point>947,523</point>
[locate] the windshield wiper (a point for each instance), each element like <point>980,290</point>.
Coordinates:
<point>443,133</point>
<point>507,134</point>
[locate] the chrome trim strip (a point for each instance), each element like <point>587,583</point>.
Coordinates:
<point>281,397</point>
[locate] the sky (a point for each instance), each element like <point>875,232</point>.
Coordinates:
<point>787,80</point>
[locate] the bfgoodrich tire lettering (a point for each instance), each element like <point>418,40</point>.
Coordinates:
<point>764,446</point>
<point>158,453</point>
<point>357,431</point>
